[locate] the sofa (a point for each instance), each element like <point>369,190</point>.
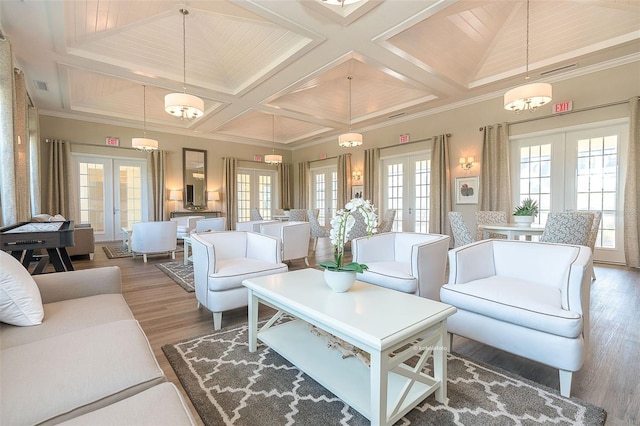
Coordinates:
<point>222,260</point>
<point>72,351</point>
<point>527,298</point>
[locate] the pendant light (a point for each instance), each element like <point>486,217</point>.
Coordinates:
<point>530,96</point>
<point>144,144</point>
<point>183,105</point>
<point>273,158</point>
<point>348,140</point>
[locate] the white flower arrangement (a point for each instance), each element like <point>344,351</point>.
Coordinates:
<point>341,225</point>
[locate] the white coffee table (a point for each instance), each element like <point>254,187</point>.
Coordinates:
<point>375,319</point>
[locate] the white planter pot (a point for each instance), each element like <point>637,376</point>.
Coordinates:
<point>339,281</point>
<point>523,220</point>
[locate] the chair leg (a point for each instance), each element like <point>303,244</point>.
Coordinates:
<point>217,320</point>
<point>315,243</point>
<point>306,261</point>
<point>565,383</point>
<point>144,257</point>
<point>173,255</point>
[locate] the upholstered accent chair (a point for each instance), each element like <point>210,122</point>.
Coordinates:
<point>297,215</point>
<point>216,224</point>
<point>527,298</point>
<point>254,214</point>
<point>410,262</point>
<point>593,232</point>
<point>567,228</point>
<point>186,224</point>
<point>154,237</point>
<point>461,234</point>
<point>294,237</point>
<point>386,224</point>
<point>317,230</point>
<point>359,227</point>
<point>489,217</point>
<point>222,260</point>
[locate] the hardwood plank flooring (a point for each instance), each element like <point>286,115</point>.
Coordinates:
<point>609,378</point>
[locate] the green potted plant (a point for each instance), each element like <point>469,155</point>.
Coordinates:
<point>526,212</point>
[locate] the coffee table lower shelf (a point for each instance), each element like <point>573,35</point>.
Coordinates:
<point>348,378</point>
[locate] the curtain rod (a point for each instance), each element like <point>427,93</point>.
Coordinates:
<point>47,140</point>
<point>409,143</point>
<point>564,113</point>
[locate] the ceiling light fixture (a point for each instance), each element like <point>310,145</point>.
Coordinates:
<point>348,140</point>
<point>144,144</point>
<point>273,158</point>
<point>530,96</point>
<point>182,105</point>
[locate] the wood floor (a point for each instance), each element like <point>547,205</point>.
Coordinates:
<point>610,377</point>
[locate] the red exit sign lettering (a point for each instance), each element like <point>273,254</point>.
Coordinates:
<point>563,107</point>
<point>113,141</point>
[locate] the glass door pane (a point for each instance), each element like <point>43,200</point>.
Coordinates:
<point>324,193</point>
<point>255,189</point>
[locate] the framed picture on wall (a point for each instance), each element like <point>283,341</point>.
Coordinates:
<point>356,191</point>
<point>467,190</point>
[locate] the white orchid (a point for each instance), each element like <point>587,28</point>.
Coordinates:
<point>341,226</point>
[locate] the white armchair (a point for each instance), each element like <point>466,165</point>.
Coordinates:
<point>294,236</point>
<point>186,224</point>
<point>527,298</point>
<point>222,260</point>
<point>405,261</point>
<point>253,225</point>
<point>216,224</point>
<point>154,237</point>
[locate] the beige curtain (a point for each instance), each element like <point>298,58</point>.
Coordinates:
<point>229,187</point>
<point>156,166</point>
<point>495,177</point>
<point>21,150</point>
<point>8,209</point>
<point>303,181</point>
<point>61,194</point>
<point>440,187</point>
<point>285,178</point>
<point>371,176</point>
<point>632,189</point>
<point>344,180</point>
<point>34,154</point>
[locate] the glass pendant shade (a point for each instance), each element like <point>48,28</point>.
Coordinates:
<point>183,105</point>
<point>144,144</point>
<point>349,140</point>
<point>527,97</point>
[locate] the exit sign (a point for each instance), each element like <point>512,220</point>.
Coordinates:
<point>113,141</point>
<point>563,107</point>
<point>404,138</point>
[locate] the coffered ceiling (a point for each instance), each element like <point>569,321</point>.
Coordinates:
<point>249,60</point>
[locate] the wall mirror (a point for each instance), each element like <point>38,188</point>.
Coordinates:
<point>194,165</point>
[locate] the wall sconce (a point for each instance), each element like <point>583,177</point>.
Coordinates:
<point>466,163</point>
<point>175,195</point>
<point>357,174</point>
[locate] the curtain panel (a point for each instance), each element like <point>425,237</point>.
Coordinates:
<point>303,182</point>
<point>21,151</point>
<point>344,180</point>
<point>632,188</point>
<point>285,179</point>
<point>156,165</point>
<point>440,187</point>
<point>8,209</point>
<point>495,175</point>
<point>34,154</point>
<point>61,194</point>
<point>229,187</point>
<point>371,176</point>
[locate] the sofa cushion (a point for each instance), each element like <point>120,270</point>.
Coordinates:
<point>20,302</point>
<point>231,272</point>
<point>61,377</point>
<point>157,406</point>
<point>517,302</point>
<point>67,316</point>
<point>393,275</point>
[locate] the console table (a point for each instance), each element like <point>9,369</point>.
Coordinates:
<point>205,213</point>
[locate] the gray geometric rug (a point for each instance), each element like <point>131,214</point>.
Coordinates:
<point>229,385</point>
<point>180,273</point>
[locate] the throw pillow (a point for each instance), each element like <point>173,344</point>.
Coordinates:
<point>20,302</point>
<point>41,218</point>
<point>57,218</point>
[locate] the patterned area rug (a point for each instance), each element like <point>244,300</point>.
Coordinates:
<point>179,272</point>
<point>115,251</point>
<point>229,385</point>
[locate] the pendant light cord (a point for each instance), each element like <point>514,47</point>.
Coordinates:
<point>144,109</point>
<point>528,6</point>
<point>184,13</point>
<point>350,78</point>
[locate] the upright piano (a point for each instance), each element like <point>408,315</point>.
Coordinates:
<point>25,239</point>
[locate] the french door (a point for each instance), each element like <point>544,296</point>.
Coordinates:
<point>324,193</point>
<point>256,189</point>
<point>112,193</point>
<point>405,188</point>
<point>577,169</point>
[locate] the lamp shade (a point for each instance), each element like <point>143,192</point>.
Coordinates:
<point>175,195</point>
<point>213,196</point>
<point>527,97</point>
<point>144,144</point>
<point>348,140</point>
<point>183,105</point>
<point>273,159</point>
